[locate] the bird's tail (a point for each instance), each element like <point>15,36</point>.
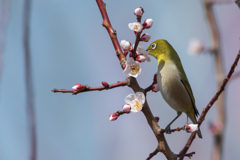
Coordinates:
<point>194,120</point>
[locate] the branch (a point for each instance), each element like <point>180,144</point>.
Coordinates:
<point>112,33</point>
<point>153,154</point>
<point>86,88</point>
<point>28,77</point>
<point>210,104</point>
<point>216,50</point>
<point>162,143</point>
<point>238,3</point>
<point>189,155</point>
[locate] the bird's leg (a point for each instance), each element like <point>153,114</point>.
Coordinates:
<point>167,129</point>
<point>185,126</point>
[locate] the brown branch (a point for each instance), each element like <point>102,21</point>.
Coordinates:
<point>28,77</point>
<point>173,130</point>
<point>235,75</point>
<point>86,88</point>
<point>112,33</point>
<point>216,50</point>
<point>162,143</point>
<point>210,104</point>
<point>189,155</point>
<point>153,154</point>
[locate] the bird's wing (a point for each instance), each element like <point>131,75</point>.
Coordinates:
<point>190,93</point>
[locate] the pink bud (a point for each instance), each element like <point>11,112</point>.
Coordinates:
<point>138,12</point>
<point>126,108</point>
<point>141,58</point>
<point>157,119</point>
<point>155,77</point>
<point>125,45</point>
<point>148,23</point>
<point>77,87</point>
<point>125,53</point>
<point>105,84</point>
<point>113,116</point>
<point>145,37</point>
<point>124,66</point>
<point>155,87</point>
<point>216,128</point>
<point>130,54</point>
<point>192,127</point>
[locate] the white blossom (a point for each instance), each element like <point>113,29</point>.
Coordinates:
<point>136,26</point>
<point>136,101</point>
<point>132,69</point>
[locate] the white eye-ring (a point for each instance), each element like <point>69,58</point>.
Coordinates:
<point>154,45</point>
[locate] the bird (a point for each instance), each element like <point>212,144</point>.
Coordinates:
<point>172,82</point>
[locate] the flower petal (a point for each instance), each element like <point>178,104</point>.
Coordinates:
<point>140,96</point>
<point>130,98</point>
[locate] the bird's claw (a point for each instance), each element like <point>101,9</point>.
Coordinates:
<point>167,130</point>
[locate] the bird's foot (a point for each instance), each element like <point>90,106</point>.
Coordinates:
<point>185,126</point>
<point>167,129</point>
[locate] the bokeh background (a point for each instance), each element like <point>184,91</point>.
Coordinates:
<point>69,45</point>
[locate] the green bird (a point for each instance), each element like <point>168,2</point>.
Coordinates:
<point>172,82</point>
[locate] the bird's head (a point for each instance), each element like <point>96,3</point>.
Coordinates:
<point>159,48</point>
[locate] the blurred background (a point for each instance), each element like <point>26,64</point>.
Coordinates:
<point>69,45</point>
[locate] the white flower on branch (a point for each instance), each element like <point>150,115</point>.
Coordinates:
<point>195,47</point>
<point>125,45</point>
<point>113,116</point>
<point>148,23</point>
<point>136,101</point>
<point>145,37</point>
<point>138,12</point>
<point>136,26</point>
<point>141,51</point>
<point>141,58</point>
<point>191,127</point>
<point>132,69</point>
<point>126,108</point>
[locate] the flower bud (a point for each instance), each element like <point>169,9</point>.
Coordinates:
<point>125,45</point>
<point>148,23</point>
<point>138,12</point>
<point>155,77</point>
<point>195,47</point>
<point>77,87</point>
<point>192,127</point>
<point>124,66</point>
<point>113,116</point>
<point>155,87</point>
<point>140,58</point>
<point>105,84</point>
<point>126,108</point>
<point>157,119</point>
<point>145,37</point>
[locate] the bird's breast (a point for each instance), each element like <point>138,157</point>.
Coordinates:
<point>171,87</point>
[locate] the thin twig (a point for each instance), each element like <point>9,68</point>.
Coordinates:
<point>210,104</point>
<point>86,88</point>
<point>28,77</point>
<point>151,155</point>
<point>173,130</point>
<point>189,155</point>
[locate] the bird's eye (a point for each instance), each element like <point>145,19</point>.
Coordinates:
<point>154,45</point>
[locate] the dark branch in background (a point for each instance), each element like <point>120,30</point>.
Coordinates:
<point>4,18</point>
<point>210,104</point>
<point>153,154</point>
<point>162,143</point>
<point>28,77</point>
<point>238,3</point>
<point>216,50</point>
<point>86,88</point>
